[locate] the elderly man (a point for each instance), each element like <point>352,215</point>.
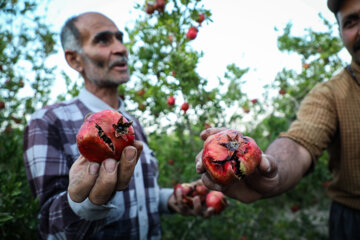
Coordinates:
<point>329,118</point>
<point>87,200</point>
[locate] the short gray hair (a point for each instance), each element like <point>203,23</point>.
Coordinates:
<point>70,36</point>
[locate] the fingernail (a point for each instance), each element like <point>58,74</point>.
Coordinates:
<point>266,163</point>
<point>198,166</point>
<point>130,153</point>
<point>110,165</point>
<point>94,168</point>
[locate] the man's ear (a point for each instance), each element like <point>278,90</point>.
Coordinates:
<point>74,60</point>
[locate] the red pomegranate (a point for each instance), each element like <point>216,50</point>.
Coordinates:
<point>229,155</point>
<point>217,200</point>
<point>192,33</point>
<point>104,135</point>
<point>201,18</point>
<point>171,101</point>
<point>185,106</point>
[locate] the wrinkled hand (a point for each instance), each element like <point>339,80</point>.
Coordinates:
<point>258,185</point>
<point>97,181</point>
<point>176,203</point>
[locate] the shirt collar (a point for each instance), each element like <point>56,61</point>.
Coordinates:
<point>95,104</point>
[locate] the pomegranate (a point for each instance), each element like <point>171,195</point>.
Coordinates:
<point>306,65</point>
<point>282,91</point>
<point>246,109</point>
<point>295,208</point>
<point>142,107</point>
<point>202,191</point>
<point>192,32</point>
<point>104,135</point>
<point>2,105</point>
<point>201,18</point>
<point>160,5</point>
<point>141,92</point>
<point>185,106</point>
<point>326,184</point>
<point>253,101</point>
<point>171,101</point>
<point>150,9</point>
<point>229,155</point>
<point>186,193</point>
<point>217,200</point>
<point>171,38</point>
<point>189,191</point>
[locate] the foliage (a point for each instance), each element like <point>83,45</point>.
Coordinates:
<point>25,80</point>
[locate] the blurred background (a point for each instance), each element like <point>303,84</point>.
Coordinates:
<point>248,67</point>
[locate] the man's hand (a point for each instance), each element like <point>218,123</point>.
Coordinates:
<point>100,181</point>
<point>177,204</point>
<point>255,186</point>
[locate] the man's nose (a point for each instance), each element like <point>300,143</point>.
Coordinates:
<point>119,48</point>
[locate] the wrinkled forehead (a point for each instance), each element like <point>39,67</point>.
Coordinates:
<point>90,24</point>
<point>348,7</point>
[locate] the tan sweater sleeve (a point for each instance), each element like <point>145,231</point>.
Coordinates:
<point>316,121</point>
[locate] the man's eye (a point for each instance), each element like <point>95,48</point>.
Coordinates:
<point>347,23</point>
<point>103,40</point>
<point>119,37</point>
<point>350,22</point>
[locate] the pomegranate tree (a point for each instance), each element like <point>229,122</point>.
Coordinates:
<point>229,155</point>
<point>104,135</point>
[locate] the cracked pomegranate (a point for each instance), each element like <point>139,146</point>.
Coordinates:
<point>104,135</point>
<point>229,155</point>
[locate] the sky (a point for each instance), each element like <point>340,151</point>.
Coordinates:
<point>242,32</point>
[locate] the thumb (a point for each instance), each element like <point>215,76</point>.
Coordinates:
<point>267,166</point>
<point>127,165</point>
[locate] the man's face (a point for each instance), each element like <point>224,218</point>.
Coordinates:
<point>103,53</point>
<point>349,26</point>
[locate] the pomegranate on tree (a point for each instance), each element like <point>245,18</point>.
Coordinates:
<point>171,101</point>
<point>150,8</point>
<point>201,18</point>
<point>160,5</point>
<point>282,91</point>
<point>217,200</point>
<point>229,155</point>
<point>104,135</point>
<point>254,100</point>
<point>141,92</point>
<point>192,33</point>
<point>185,106</point>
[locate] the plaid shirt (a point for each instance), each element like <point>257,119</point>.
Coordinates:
<point>49,151</point>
